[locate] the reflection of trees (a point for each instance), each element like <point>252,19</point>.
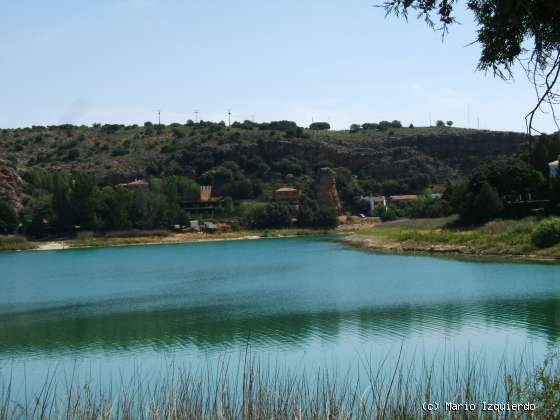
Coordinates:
<point>221,326</point>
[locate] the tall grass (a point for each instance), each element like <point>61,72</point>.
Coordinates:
<point>499,237</point>
<point>14,243</point>
<point>253,390</point>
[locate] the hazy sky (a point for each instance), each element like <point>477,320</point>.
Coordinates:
<point>118,61</point>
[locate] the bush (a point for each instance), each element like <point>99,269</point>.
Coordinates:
<point>385,214</point>
<point>547,233</point>
<point>320,126</point>
<point>326,217</point>
<point>272,215</point>
<point>484,206</point>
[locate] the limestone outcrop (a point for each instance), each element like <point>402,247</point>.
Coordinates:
<point>10,184</point>
<point>325,188</point>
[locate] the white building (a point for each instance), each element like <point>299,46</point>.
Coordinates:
<point>553,168</point>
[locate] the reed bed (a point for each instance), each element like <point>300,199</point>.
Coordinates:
<point>251,389</point>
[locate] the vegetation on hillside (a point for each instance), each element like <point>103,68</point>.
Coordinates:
<point>249,157</point>
<point>71,174</point>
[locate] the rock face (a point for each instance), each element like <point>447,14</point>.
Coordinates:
<point>325,188</point>
<point>10,184</point>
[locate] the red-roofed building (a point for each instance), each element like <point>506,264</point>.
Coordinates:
<point>286,195</point>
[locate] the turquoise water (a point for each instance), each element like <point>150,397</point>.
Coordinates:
<point>303,302</point>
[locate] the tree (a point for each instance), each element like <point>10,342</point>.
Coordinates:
<point>326,217</point>
<point>354,128</point>
<point>83,200</point>
<point>396,124</point>
<point>370,126</point>
<point>114,208</point>
<point>226,206</point>
<point>272,215</point>
<point>37,218</point>
<point>525,32</point>
<point>440,123</point>
<point>384,125</point>
<point>61,204</point>
<point>486,204</point>
<point>320,126</point>
<point>449,123</point>
<point>8,218</point>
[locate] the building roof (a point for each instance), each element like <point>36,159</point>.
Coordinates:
<point>286,189</point>
<point>403,197</point>
<point>138,182</point>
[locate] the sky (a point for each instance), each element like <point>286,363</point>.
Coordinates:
<point>341,61</point>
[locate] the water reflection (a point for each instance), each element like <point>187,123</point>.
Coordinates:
<point>213,328</point>
<point>277,294</point>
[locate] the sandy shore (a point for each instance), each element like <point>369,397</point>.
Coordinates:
<point>171,238</point>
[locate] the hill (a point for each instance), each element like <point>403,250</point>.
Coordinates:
<point>399,160</point>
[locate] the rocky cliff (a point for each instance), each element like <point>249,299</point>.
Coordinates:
<point>325,188</point>
<point>10,184</point>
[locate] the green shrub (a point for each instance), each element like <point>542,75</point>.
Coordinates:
<point>271,215</point>
<point>385,214</point>
<point>547,233</point>
<point>326,217</point>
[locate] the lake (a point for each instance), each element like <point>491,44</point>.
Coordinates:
<point>303,302</point>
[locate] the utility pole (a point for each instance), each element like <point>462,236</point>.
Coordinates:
<point>478,123</point>
<point>196,115</point>
<point>229,117</point>
<point>430,118</point>
<point>159,117</point>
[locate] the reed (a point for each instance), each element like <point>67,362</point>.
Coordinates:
<point>251,389</point>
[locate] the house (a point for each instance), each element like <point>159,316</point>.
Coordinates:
<point>553,168</point>
<point>209,227</point>
<point>205,193</point>
<point>436,196</point>
<point>286,195</point>
<point>374,201</point>
<point>401,198</point>
<point>137,184</point>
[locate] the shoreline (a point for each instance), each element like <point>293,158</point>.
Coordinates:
<point>370,236</point>
<point>384,245</point>
<point>168,239</point>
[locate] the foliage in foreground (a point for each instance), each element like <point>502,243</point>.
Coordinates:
<point>250,390</point>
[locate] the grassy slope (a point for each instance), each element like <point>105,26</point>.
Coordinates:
<point>500,238</point>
